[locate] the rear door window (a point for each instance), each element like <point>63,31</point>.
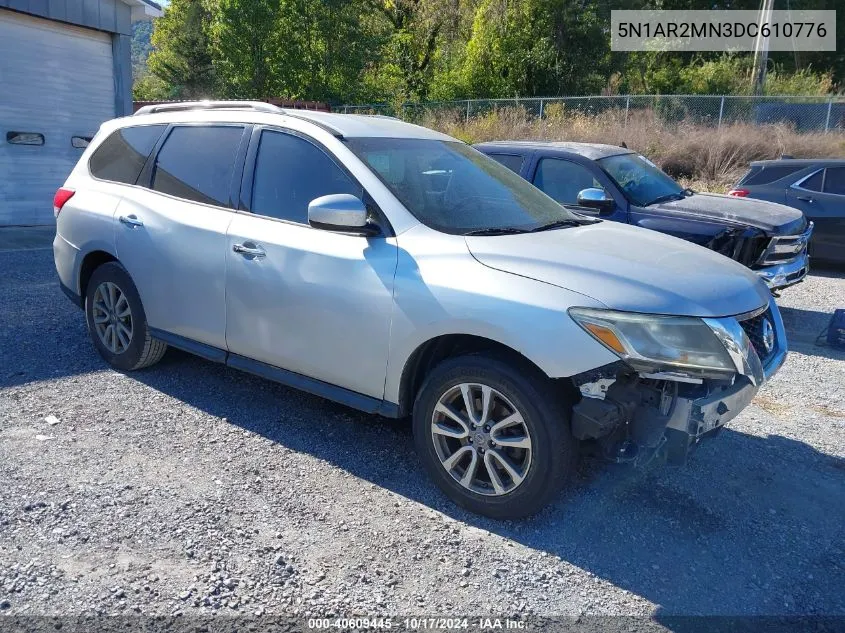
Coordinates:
<point>122,155</point>
<point>834,181</point>
<point>290,172</point>
<point>511,161</point>
<point>197,163</point>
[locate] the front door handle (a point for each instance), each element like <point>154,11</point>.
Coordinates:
<point>131,221</point>
<point>249,249</point>
<point>806,199</point>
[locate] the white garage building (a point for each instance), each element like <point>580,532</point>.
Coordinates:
<point>64,69</point>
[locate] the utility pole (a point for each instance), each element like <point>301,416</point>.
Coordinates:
<point>761,47</point>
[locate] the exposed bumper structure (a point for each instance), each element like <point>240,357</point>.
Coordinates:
<point>757,359</point>
<point>635,416</point>
<point>785,261</point>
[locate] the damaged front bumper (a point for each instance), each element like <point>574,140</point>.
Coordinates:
<point>634,416</point>
<point>780,276</point>
<point>785,261</point>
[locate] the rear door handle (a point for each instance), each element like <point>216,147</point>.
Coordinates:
<point>130,220</point>
<point>806,199</point>
<point>249,249</point>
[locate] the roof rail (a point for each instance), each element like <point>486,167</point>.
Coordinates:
<point>380,116</point>
<point>256,106</point>
<point>181,106</point>
<point>295,114</point>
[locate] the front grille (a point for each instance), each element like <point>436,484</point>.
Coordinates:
<point>786,248</point>
<point>755,329</point>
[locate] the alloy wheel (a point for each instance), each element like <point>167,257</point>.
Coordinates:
<point>112,317</point>
<point>481,439</point>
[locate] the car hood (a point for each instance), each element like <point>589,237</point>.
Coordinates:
<point>769,216</point>
<point>627,268</point>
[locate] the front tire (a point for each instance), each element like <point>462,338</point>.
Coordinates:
<point>494,437</point>
<point>116,320</point>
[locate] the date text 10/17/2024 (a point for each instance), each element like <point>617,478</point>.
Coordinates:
<point>417,624</point>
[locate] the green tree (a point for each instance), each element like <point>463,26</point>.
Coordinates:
<point>535,47</point>
<point>182,55</point>
<point>249,56</point>
<point>148,87</point>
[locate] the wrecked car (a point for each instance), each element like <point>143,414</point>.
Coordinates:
<point>398,271</point>
<point>615,183</point>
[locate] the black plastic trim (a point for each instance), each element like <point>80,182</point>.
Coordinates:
<point>304,383</point>
<point>326,390</point>
<point>209,352</point>
<point>70,294</point>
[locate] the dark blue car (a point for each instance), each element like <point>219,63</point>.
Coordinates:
<point>816,187</point>
<point>617,184</point>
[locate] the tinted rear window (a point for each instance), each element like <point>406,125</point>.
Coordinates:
<point>122,155</point>
<point>768,173</point>
<point>197,162</point>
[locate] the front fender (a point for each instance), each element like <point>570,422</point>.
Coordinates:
<point>443,290</point>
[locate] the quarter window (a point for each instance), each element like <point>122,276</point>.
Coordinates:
<point>563,179</point>
<point>289,173</point>
<point>122,155</point>
<point>834,181</point>
<point>814,182</point>
<point>511,161</point>
<point>197,162</point>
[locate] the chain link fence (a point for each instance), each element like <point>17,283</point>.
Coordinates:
<point>805,114</point>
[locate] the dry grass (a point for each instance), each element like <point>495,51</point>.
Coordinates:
<point>702,157</point>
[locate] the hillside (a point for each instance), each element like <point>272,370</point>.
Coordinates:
<point>141,47</point>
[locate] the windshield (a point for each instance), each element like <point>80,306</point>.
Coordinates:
<point>453,188</point>
<point>641,180</point>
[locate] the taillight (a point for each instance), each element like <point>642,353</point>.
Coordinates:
<point>59,200</point>
<point>738,193</point>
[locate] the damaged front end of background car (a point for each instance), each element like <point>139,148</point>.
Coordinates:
<point>780,260</point>
<point>678,380</point>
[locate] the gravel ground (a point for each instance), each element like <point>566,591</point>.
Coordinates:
<point>192,488</point>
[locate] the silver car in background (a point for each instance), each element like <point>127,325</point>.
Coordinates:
<point>401,272</point>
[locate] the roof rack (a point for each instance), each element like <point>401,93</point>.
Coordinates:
<point>294,114</point>
<point>256,106</point>
<point>181,106</point>
<point>380,116</point>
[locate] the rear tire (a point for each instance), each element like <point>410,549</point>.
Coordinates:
<point>116,320</point>
<point>507,458</point>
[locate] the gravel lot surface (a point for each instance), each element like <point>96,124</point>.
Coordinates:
<point>192,488</point>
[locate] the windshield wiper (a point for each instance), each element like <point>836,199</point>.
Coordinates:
<point>497,230</point>
<point>666,198</point>
<point>561,223</point>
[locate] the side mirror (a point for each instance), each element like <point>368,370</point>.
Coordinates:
<point>340,212</point>
<point>595,198</point>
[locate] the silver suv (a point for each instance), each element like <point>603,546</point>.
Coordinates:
<point>401,272</point>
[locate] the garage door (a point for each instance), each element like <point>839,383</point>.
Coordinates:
<point>56,83</point>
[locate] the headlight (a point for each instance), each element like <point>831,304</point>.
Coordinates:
<point>647,341</point>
